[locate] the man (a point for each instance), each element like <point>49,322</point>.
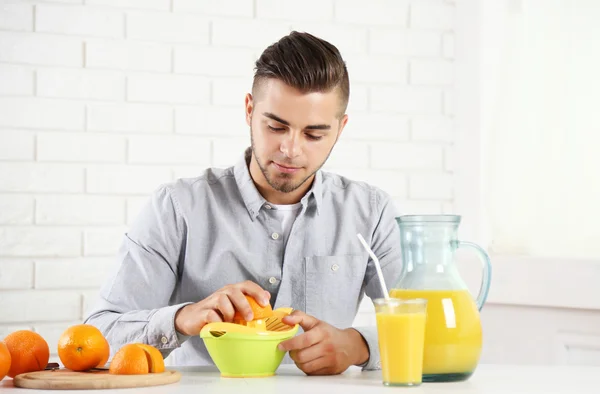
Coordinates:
<point>274,227</point>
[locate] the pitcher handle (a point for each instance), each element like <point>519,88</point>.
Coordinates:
<point>487,272</point>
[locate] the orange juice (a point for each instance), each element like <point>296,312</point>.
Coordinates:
<point>453,331</point>
<point>401,337</point>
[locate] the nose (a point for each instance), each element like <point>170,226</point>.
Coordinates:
<point>291,145</point>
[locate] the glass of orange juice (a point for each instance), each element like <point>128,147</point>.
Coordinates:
<point>401,332</point>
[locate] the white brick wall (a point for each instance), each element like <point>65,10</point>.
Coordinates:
<point>399,156</point>
<point>16,17</point>
<point>17,145</point>
<point>39,178</point>
<point>374,13</point>
<point>81,210</point>
<point>377,68</point>
<point>41,113</point>
<point>214,61</point>
<point>242,8</point>
<point>169,149</point>
<point>35,306</point>
<point>230,91</point>
<point>102,241</point>
<point>158,5</point>
<point>39,241</point>
<point>226,150</point>
<point>405,42</point>
<point>122,179</point>
<point>431,15</point>
<point>16,274</point>
<point>181,28</point>
<point>38,49</point>
<point>210,121</point>
<point>77,84</point>
<point>295,10</point>
<point>132,56</point>
<point>81,20</point>
<point>71,273</point>
<point>129,118</point>
<point>16,209</point>
<point>101,101</point>
<point>78,147</point>
<point>432,129</point>
<point>16,81</point>
<point>168,89</point>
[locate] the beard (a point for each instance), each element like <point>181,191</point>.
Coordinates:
<point>282,182</point>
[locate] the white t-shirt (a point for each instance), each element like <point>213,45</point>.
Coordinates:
<point>286,215</point>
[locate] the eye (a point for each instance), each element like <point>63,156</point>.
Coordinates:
<point>275,128</point>
<point>313,137</point>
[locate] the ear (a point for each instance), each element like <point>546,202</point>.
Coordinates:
<point>343,122</point>
<point>249,106</point>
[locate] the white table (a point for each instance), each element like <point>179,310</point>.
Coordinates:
<point>487,379</point>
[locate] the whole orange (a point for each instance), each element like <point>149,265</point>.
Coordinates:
<point>4,360</point>
<point>258,311</point>
<point>137,358</point>
<point>29,352</point>
<point>82,347</point>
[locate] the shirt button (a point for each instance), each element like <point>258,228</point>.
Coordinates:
<point>268,206</point>
<point>164,340</point>
<point>335,267</point>
<point>275,236</point>
<point>272,280</point>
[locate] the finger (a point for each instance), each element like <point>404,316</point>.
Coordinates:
<point>311,367</point>
<point>308,354</point>
<point>323,371</point>
<point>307,322</point>
<point>208,316</point>
<point>302,341</point>
<point>225,307</point>
<point>240,303</point>
<point>258,293</point>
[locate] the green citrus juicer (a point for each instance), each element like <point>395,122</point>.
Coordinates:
<point>248,350</point>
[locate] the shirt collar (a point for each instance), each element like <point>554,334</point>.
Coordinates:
<point>252,197</point>
<point>316,191</point>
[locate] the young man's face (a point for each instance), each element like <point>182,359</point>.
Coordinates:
<point>292,133</point>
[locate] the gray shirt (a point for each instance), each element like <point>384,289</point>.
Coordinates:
<point>195,236</point>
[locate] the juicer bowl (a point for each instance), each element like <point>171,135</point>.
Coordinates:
<point>242,351</point>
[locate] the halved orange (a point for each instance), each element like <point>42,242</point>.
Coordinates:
<point>136,359</point>
<point>258,311</point>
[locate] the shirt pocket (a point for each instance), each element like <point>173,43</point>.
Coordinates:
<point>333,287</point>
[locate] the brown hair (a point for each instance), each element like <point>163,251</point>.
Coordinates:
<point>305,62</point>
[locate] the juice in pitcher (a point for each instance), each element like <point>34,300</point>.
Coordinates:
<point>453,337</point>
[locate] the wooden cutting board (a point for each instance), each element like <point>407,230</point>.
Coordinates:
<point>64,379</point>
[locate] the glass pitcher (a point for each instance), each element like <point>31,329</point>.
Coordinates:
<point>453,338</point>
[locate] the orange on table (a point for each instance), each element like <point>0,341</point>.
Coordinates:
<point>82,347</point>
<point>156,362</point>
<point>29,352</point>
<point>258,311</point>
<point>4,360</point>
<point>137,359</point>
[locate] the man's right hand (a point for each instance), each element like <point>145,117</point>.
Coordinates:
<point>220,306</point>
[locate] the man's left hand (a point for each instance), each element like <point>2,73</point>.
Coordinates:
<point>324,349</point>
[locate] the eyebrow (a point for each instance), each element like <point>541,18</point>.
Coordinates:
<point>285,122</point>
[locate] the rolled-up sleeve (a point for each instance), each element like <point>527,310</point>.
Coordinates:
<point>134,303</point>
<point>385,243</point>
